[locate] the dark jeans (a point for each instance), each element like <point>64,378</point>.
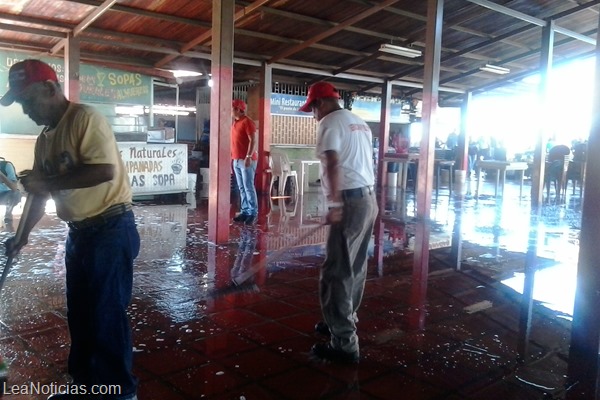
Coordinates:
<point>99,262</point>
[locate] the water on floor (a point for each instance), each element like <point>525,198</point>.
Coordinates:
<point>235,320</point>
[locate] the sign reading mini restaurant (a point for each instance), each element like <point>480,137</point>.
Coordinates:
<point>288,104</point>
<point>97,84</point>
<point>155,168</point>
<point>368,108</point>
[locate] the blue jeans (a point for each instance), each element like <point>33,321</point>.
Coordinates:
<point>99,263</point>
<point>245,181</point>
<point>245,254</point>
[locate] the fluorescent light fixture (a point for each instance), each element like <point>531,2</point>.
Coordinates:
<point>129,110</point>
<point>179,73</point>
<point>400,51</point>
<point>170,110</point>
<point>495,69</point>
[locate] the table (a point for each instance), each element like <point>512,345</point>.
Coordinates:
<point>403,159</point>
<point>438,166</point>
<point>304,164</point>
<point>501,167</point>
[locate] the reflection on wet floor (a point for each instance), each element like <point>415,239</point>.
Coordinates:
<point>235,321</point>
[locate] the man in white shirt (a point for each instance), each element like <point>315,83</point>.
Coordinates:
<point>345,148</point>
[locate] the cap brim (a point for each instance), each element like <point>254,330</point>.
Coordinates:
<point>306,107</point>
<point>8,98</point>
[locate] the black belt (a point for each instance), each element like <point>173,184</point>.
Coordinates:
<point>357,192</point>
<point>101,218</point>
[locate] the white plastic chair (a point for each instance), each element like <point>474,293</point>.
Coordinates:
<point>281,170</point>
<point>285,207</point>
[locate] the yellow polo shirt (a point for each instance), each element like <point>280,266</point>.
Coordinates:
<point>83,136</point>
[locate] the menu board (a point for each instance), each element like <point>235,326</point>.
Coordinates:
<point>155,168</point>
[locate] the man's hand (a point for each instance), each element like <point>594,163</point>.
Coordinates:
<point>35,183</point>
<point>12,248</point>
<point>334,215</point>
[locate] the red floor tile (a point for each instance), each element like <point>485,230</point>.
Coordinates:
<point>192,341</point>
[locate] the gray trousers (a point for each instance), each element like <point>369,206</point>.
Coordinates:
<point>344,271</point>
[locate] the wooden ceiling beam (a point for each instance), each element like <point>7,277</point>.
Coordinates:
<point>33,31</point>
<point>206,36</point>
<point>149,14</point>
<point>511,33</point>
<point>331,31</point>
<point>44,23</point>
<point>323,22</point>
<point>87,21</point>
<point>513,76</point>
<point>532,20</point>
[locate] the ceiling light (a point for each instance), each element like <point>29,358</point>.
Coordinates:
<point>169,110</point>
<point>179,73</point>
<point>400,51</point>
<point>495,69</point>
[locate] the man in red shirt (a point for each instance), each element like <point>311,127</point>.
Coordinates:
<point>243,154</point>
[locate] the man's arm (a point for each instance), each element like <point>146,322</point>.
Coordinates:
<point>85,175</point>
<point>35,213</point>
<point>335,200</point>
<point>252,144</point>
<point>332,168</point>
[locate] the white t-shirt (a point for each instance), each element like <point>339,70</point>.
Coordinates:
<point>350,137</point>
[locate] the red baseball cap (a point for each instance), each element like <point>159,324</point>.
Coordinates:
<point>23,74</point>
<point>239,104</point>
<point>319,90</point>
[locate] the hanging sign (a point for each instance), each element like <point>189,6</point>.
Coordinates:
<point>97,84</point>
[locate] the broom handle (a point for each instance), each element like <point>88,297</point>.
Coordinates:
<point>273,257</point>
<point>17,238</point>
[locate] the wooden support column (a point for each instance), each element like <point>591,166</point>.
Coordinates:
<point>463,138</point>
<point>585,329</point>
<point>72,74</point>
<point>433,45</point>
<point>462,157</point>
<point>526,306</point>
<point>264,130</point>
<point>539,157</point>
<point>219,197</point>
<point>537,194</point>
<point>384,134</point>
<point>384,131</point>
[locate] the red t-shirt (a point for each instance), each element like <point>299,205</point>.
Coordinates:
<point>241,130</point>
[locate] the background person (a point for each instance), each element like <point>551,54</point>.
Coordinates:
<point>347,178</point>
<point>10,195</point>
<point>452,141</point>
<point>78,164</point>
<point>244,159</point>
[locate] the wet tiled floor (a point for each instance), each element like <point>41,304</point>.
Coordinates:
<point>198,337</point>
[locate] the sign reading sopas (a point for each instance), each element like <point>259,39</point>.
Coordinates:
<point>97,84</point>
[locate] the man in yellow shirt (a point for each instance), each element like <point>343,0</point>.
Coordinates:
<point>78,164</point>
